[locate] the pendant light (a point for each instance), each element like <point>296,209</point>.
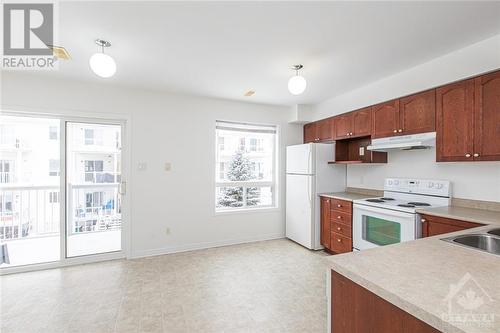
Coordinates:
<point>297,84</point>
<point>102,64</point>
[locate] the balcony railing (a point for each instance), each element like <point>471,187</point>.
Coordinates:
<point>94,207</point>
<point>34,211</point>
<point>28,211</point>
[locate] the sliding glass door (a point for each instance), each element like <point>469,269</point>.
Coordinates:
<point>93,173</point>
<point>29,190</point>
<point>61,189</point>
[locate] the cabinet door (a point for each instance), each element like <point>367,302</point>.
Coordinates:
<point>310,132</point>
<point>454,121</point>
<point>343,126</point>
<point>385,119</point>
<point>325,222</point>
<point>325,130</point>
<point>362,122</point>
<point>435,225</point>
<point>418,113</point>
<point>487,118</point>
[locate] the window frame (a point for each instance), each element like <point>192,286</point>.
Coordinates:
<point>273,183</point>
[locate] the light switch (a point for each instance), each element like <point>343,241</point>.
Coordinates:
<point>168,166</point>
<point>142,166</point>
<point>361,151</point>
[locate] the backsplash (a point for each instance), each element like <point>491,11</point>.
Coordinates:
<point>471,180</point>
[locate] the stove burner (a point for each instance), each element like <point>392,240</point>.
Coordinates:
<point>406,205</point>
<point>387,199</point>
<point>375,200</point>
<point>418,203</point>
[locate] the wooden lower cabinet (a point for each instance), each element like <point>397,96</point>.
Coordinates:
<point>435,225</point>
<point>354,309</point>
<point>325,222</point>
<point>336,225</point>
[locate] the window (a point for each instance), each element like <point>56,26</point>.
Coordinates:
<point>53,133</point>
<point>54,168</point>
<point>89,136</point>
<point>245,180</point>
<point>94,171</point>
<point>53,197</point>
<point>6,172</point>
<point>94,199</point>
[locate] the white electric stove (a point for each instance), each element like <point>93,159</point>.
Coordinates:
<point>393,218</point>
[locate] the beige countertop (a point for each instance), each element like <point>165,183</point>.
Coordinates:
<point>464,214</point>
<point>417,276</point>
<point>349,196</point>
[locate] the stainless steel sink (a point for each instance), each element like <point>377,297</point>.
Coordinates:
<point>495,232</point>
<point>484,242</point>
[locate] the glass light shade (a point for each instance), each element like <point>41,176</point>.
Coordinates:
<point>297,84</point>
<point>102,65</point>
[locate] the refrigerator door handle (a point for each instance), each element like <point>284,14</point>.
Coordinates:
<point>310,159</point>
<point>309,191</point>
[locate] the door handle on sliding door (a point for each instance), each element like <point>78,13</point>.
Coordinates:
<point>122,189</point>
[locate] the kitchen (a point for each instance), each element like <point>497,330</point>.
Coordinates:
<point>428,225</point>
<point>252,167</point>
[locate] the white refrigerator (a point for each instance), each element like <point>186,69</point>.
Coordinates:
<point>307,175</point>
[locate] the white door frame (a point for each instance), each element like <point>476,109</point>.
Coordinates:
<point>81,117</point>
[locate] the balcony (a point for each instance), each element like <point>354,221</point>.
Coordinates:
<point>30,222</point>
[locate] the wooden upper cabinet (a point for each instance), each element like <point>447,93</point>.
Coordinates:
<point>310,132</point>
<point>386,119</point>
<point>418,113</point>
<point>454,121</point>
<point>342,127</point>
<point>487,117</point>
<point>362,122</point>
<point>325,130</point>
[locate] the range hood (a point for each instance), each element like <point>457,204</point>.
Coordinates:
<point>404,142</point>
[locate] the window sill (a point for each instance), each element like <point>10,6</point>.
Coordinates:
<point>247,211</point>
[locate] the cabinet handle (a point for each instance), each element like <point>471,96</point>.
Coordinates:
<point>347,133</point>
<point>400,130</point>
<point>423,220</point>
<point>350,133</point>
<point>339,205</point>
<point>339,240</point>
<point>476,155</point>
<point>467,155</point>
<point>395,131</point>
<point>339,228</point>
<point>339,217</point>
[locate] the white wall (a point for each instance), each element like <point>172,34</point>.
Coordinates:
<point>477,180</point>
<point>165,128</point>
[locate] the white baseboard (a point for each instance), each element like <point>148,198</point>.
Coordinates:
<point>201,246</point>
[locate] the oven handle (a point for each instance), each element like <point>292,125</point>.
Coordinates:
<point>383,211</point>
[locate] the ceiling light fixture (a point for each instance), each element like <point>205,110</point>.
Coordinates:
<point>297,84</point>
<point>102,64</point>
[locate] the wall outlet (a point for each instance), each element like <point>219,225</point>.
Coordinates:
<point>167,231</point>
<point>168,166</point>
<point>142,166</point>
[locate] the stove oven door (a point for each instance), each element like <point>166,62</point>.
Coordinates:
<point>373,227</point>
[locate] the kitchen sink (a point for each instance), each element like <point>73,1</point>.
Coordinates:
<point>483,242</point>
<point>495,232</point>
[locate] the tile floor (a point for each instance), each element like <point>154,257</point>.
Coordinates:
<point>272,286</point>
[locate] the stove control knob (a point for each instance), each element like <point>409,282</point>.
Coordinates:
<point>396,182</point>
<point>439,186</point>
<point>389,182</point>
<point>431,185</point>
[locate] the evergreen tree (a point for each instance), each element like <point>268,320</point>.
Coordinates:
<point>239,170</point>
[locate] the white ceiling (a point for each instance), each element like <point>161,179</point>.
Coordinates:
<point>223,49</point>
